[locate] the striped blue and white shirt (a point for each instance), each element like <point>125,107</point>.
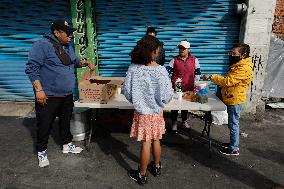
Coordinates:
<point>148,88</point>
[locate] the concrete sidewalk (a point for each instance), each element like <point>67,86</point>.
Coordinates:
<point>185,158</point>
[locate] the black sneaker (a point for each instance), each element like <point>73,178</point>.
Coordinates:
<point>174,127</point>
<point>154,170</point>
<point>137,177</point>
<point>229,152</point>
<point>175,132</point>
<point>225,145</point>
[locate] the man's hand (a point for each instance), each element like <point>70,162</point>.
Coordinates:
<point>41,97</point>
<point>91,66</point>
<point>84,63</point>
<point>39,93</point>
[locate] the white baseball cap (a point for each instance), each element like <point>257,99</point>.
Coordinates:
<point>185,44</point>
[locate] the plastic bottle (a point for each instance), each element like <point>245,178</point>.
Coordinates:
<point>178,85</point>
<point>197,78</point>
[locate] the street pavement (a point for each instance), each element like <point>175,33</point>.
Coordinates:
<point>185,156</point>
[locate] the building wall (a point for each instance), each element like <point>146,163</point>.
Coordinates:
<point>278,24</point>
<point>22,24</point>
<point>211,26</point>
<point>256,30</point>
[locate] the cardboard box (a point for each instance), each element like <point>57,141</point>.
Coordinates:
<point>99,89</point>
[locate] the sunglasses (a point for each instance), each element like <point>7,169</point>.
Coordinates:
<point>181,48</point>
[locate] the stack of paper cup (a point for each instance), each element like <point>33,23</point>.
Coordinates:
<point>118,91</point>
<point>179,95</point>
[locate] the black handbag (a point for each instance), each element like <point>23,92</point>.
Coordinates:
<point>61,53</point>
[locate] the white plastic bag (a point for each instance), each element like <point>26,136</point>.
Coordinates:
<point>219,117</point>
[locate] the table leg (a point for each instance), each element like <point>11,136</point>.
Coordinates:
<point>207,129</point>
<point>93,117</point>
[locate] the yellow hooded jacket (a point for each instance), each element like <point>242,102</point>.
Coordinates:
<point>235,84</point>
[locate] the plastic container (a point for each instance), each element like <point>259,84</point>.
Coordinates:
<point>202,96</point>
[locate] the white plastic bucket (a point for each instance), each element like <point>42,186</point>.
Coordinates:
<point>79,126</point>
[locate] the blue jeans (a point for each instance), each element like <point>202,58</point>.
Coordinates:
<point>233,124</point>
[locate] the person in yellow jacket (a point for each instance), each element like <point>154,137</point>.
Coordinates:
<point>234,91</point>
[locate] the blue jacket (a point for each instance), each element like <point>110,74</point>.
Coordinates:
<point>44,65</point>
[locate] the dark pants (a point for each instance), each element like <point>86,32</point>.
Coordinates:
<point>174,115</point>
<point>45,115</point>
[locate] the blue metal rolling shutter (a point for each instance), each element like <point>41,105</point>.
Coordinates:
<point>209,25</point>
<point>22,23</point>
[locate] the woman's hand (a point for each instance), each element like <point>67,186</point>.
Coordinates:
<point>207,76</point>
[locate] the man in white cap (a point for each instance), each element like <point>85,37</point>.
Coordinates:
<point>186,68</point>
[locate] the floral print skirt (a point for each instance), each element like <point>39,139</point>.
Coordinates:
<point>147,127</point>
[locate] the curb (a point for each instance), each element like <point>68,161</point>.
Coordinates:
<point>18,109</point>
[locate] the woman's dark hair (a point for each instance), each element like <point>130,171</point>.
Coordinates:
<point>142,52</point>
<point>244,49</point>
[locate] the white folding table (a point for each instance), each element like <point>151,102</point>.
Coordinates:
<point>120,102</point>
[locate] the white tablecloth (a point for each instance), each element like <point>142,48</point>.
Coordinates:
<point>120,102</point>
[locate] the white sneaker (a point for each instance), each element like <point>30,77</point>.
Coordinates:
<point>185,125</point>
<point>71,148</point>
<point>42,159</point>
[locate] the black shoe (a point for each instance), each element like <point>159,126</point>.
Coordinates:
<point>137,177</point>
<point>225,145</point>
<point>229,152</point>
<point>154,170</point>
<point>174,127</point>
<point>174,132</point>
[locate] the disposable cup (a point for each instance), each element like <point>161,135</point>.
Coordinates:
<point>179,95</point>
<point>118,91</point>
